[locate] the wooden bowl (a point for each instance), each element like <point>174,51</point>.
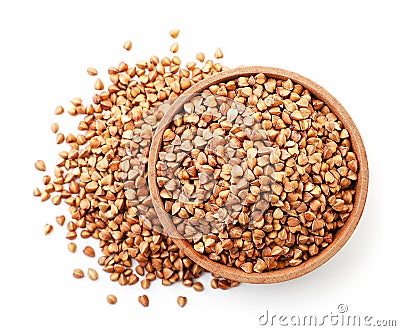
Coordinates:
<point>341,236</point>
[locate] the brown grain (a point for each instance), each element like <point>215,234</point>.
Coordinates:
<point>182,301</point>
<point>89,251</point>
<point>48,228</point>
<point>60,220</point>
<point>143,300</point>
<point>174,33</point>
<point>92,71</point>
<point>78,273</point>
<point>200,56</point>
<point>112,299</point>
<point>92,274</point>
<point>40,165</point>
<point>55,127</point>
<point>72,247</point>
<point>218,53</point>
<point>98,85</point>
<point>128,45</point>
<point>60,138</point>
<point>59,110</point>
<point>197,286</point>
<point>174,48</point>
<point>145,283</point>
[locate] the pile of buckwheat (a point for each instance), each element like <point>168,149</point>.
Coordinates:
<point>256,173</point>
<point>102,174</point>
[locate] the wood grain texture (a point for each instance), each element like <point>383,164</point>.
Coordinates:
<point>341,236</point>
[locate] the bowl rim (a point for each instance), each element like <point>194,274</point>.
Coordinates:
<point>341,236</point>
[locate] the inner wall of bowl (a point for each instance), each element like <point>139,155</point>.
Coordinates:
<point>341,235</point>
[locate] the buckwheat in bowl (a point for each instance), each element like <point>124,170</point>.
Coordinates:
<point>258,174</point>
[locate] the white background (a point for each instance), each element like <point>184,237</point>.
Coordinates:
<point>349,47</point>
